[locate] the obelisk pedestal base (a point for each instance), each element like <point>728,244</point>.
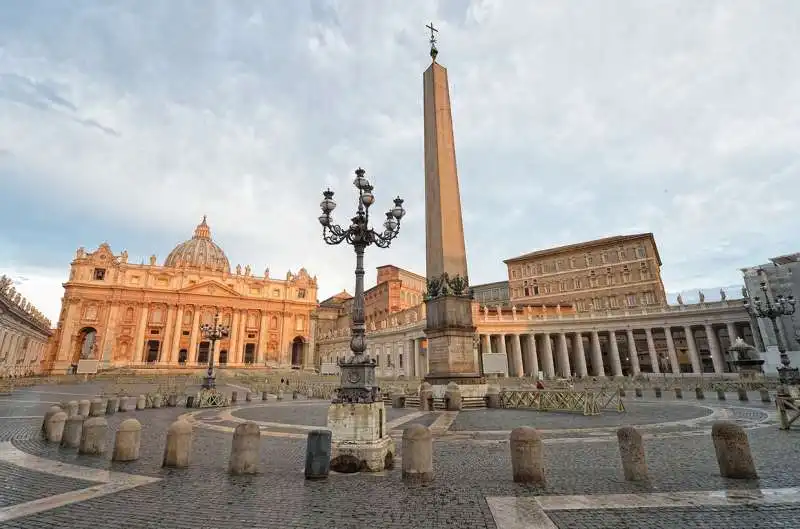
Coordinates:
<point>360,440</point>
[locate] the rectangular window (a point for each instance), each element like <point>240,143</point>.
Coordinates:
<point>630,299</point>
<point>301,293</point>
<point>400,360</point>
<point>572,262</point>
<point>613,302</point>
<point>535,290</point>
<point>99,274</point>
<point>640,253</point>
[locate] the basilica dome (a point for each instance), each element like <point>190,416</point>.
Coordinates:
<point>199,252</point>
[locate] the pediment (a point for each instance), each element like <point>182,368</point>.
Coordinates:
<point>209,288</point>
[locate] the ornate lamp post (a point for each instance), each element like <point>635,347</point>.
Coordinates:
<point>213,332</point>
<point>358,372</point>
<point>772,310</point>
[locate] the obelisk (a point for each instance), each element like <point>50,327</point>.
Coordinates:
<point>452,355</point>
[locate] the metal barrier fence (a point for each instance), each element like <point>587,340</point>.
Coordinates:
<point>585,402</point>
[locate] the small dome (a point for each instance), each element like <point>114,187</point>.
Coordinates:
<point>199,252</point>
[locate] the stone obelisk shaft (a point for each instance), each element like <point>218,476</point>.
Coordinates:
<point>452,355</point>
<point>444,235</point>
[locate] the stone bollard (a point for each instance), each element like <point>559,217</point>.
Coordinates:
<point>279,393</point>
<point>318,454</point>
<point>72,432</point>
<point>698,392</point>
<point>123,403</point>
<point>179,445</point>
<point>72,408</point>
<point>157,400</point>
<point>678,393</point>
<point>425,397</point>
<point>417,454</point>
<point>493,397</point>
<point>245,449</point>
<point>764,392</point>
<point>639,392</point>
<point>452,397</point>
<point>742,394</point>
<point>49,413</point>
<point>263,395</point>
<point>84,407</point>
<point>97,408</point>
<point>294,394</point>
<point>141,402</point>
<point>733,451</point>
<point>631,451</point>
<point>93,436</point>
<point>527,458</point>
<point>398,401</point>
<point>112,405</point>
<point>172,400</point>
<point>234,397</point>
<point>248,397</point>
<point>127,441</point>
<point>720,394</point>
<point>54,430</point>
<point>657,392</point>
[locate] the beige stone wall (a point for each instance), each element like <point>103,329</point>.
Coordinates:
<point>135,314</point>
<point>24,333</point>
<point>612,274</point>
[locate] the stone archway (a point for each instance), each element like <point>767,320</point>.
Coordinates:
<point>85,345</point>
<point>298,350</point>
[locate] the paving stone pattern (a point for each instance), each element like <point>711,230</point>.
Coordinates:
<point>19,485</point>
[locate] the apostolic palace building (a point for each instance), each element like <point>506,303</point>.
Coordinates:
<point>126,314</point>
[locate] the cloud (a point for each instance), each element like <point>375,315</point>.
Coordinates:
<point>573,121</point>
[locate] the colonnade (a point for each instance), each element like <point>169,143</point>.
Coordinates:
<point>617,352</point>
<point>19,351</point>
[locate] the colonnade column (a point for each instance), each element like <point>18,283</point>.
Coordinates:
<point>486,344</point>
<point>563,356</point>
<point>238,353</point>
<point>262,338</point>
<point>417,367</point>
<point>597,355</point>
<point>501,349</point>
<point>176,336</point>
<point>693,355</point>
<point>193,336</point>
<point>731,332</point>
<point>548,365</point>
<point>531,359</point>
<point>616,364</point>
<point>234,335</point>
<point>651,350</point>
<point>580,355</point>
<point>169,329</point>
<point>673,356</point>
<point>633,353</point>
<point>713,346</point>
<point>516,353</point>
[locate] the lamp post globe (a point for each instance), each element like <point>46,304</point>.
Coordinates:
<point>772,310</point>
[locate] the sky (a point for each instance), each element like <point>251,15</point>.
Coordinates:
<point>127,121</point>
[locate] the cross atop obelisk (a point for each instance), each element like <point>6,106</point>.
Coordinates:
<point>434,51</point>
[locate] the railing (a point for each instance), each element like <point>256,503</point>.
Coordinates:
<point>788,409</point>
<point>586,402</point>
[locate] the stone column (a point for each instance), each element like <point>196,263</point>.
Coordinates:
<point>673,356</point>
<point>138,351</point>
<point>64,347</point>
<point>238,353</point>
<point>563,356</point>
<point>486,343</point>
<point>263,333</point>
<point>234,336</point>
<point>516,354</point>
<point>633,353</point>
<point>501,349</point>
<point>731,327</point>
<point>693,355</point>
<point>166,343</point>
<point>713,346</point>
<point>651,350</point>
<point>193,336</point>
<point>616,364</point>
<point>417,367</point>
<point>176,336</point>
<point>109,335</point>
<point>531,360</point>
<point>548,365</point>
<point>597,355</point>
<point>580,355</point>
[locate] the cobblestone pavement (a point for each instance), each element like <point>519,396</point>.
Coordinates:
<point>468,471</point>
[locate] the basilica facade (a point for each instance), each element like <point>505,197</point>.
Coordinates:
<point>150,315</point>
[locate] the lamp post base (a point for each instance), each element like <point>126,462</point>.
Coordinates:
<point>361,442</point>
<point>211,398</point>
<point>789,376</point>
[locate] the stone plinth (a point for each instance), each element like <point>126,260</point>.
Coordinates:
<point>467,390</point>
<point>361,440</point>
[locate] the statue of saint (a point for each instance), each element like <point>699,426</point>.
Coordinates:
<point>153,260</point>
<point>722,295</point>
<point>238,269</point>
<point>744,292</point>
<point>123,257</point>
<point>701,296</point>
<point>81,253</point>
<point>680,299</point>
<point>247,270</point>
<point>266,273</point>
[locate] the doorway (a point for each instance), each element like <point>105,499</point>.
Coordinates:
<point>297,352</point>
<point>152,351</point>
